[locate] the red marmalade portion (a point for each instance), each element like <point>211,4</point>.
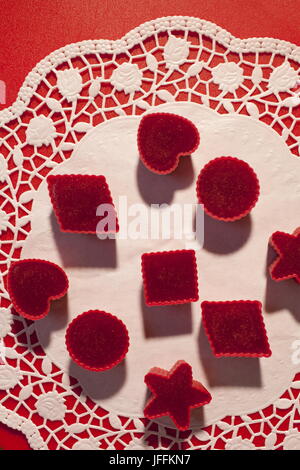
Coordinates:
<point>163,138</point>
<point>97,340</point>
<point>32,284</point>
<point>75,200</point>
<point>236,328</point>
<point>228,188</point>
<point>287,264</point>
<point>174,394</point>
<point>170,277</point>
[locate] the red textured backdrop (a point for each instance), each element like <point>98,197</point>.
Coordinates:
<point>31,29</point>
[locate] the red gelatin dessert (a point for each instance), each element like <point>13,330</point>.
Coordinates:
<point>97,340</point>
<point>75,199</point>
<point>32,284</point>
<point>170,277</point>
<point>163,138</point>
<point>175,393</point>
<point>236,328</point>
<point>228,188</point>
<point>287,264</point>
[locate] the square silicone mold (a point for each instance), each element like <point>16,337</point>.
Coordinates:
<point>170,277</point>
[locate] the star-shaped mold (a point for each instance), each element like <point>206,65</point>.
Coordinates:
<point>76,201</point>
<point>236,328</point>
<point>287,264</point>
<point>174,394</point>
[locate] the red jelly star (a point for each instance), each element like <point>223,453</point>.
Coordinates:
<point>287,264</point>
<point>75,199</point>
<point>170,277</point>
<point>163,138</point>
<point>97,340</point>
<point>236,328</point>
<point>175,393</point>
<point>32,284</point>
<point>228,188</point>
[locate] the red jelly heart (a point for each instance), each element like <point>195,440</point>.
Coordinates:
<point>163,138</point>
<point>235,328</point>
<point>228,188</point>
<point>170,277</point>
<point>97,340</point>
<point>75,199</point>
<point>175,393</point>
<point>32,284</point>
<point>287,264</point>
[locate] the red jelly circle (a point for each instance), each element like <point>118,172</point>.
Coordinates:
<point>97,340</point>
<point>163,138</point>
<point>32,284</point>
<point>228,188</point>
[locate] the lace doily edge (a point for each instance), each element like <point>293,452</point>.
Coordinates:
<point>131,39</point>
<point>26,426</point>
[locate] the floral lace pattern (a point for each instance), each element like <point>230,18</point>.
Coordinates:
<point>66,94</point>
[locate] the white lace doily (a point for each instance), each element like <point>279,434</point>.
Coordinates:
<point>244,97</point>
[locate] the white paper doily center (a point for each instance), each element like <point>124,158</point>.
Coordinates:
<point>232,265</point>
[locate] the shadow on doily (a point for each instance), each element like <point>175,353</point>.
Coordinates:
<point>99,385</point>
<point>166,320</point>
<point>57,319</point>
<point>84,250</point>
<point>156,431</point>
<point>223,238</point>
<point>282,294</point>
<point>160,189</point>
<point>197,420</point>
<point>228,371</point>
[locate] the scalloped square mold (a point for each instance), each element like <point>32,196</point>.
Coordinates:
<point>170,277</point>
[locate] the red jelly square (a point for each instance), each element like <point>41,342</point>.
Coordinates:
<point>75,200</point>
<point>236,328</point>
<point>170,277</point>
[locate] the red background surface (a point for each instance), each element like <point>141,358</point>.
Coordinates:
<point>31,29</point>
